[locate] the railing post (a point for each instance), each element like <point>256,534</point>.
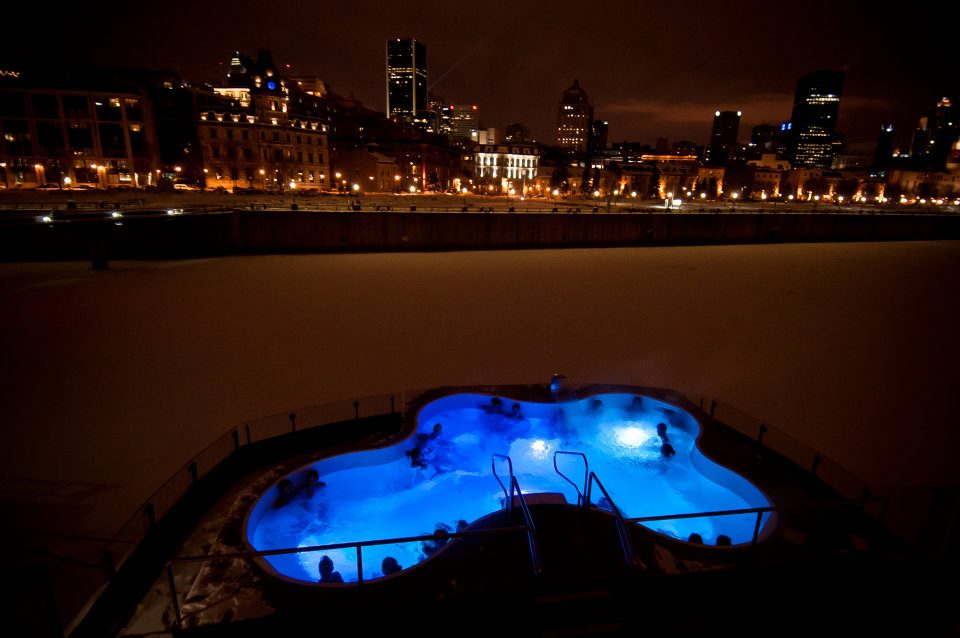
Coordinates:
<point>816,464</point>
<point>756,528</point>
<point>293,421</point>
<point>713,408</point>
<point>236,440</point>
<point>393,408</point>
<point>150,514</point>
<point>359,565</point>
<point>194,474</point>
<point>763,430</point>
<point>246,427</point>
<point>356,409</point>
<point>173,594</point>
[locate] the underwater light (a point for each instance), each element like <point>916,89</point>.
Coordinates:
<point>631,436</point>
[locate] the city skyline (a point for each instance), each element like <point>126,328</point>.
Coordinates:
<point>651,72</point>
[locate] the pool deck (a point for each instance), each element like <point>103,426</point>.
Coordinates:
<point>586,587</point>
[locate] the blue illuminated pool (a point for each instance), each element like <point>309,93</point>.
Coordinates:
<point>385,493</point>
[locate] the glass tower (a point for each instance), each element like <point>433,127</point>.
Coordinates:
<point>406,78</point>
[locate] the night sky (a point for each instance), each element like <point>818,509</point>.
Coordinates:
<point>653,69</point>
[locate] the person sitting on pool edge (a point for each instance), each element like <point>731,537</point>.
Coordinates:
<point>327,575</point>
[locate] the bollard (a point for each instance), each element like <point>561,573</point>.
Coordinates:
<point>293,422</point>
<point>413,209</point>
<point>463,210</point>
<point>713,407</point>
<point>236,440</point>
<point>194,474</point>
<point>511,210</point>
<point>356,409</point>
<point>393,409</point>
<point>555,209</point>
<point>294,206</point>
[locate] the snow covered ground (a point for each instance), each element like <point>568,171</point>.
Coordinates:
<point>112,379</point>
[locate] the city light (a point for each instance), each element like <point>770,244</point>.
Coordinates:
<point>413,189</point>
<point>66,180</point>
<point>703,195</point>
<point>355,187</point>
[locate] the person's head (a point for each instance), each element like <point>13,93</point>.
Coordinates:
<point>637,403</point>
<point>437,428</point>
<point>442,531</point>
<point>661,430</point>
<point>516,408</point>
<point>462,525</point>
<point>313,477</point>
<point>326,565</point>
<point>723,540</point>
<point>695,538</point>
<point>390,566</point>
<point>496,401</point>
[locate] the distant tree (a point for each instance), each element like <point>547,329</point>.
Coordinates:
<point>654,184</point>
<point>560,176</point>
<point>817,186</point>
<point>847,188</point>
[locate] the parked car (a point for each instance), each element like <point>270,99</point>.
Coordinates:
<point>183,186</point>
<point>48,187</point>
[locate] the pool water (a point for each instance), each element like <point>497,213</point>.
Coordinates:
<point>382,493</point>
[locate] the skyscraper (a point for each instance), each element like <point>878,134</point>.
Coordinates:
<point>406,78</point>
<point>464,120</point>
<point>814,120</point>
<point>723,137</point>
<point>884,152</point>
<point>598,136</point>
<point>935,136</point>
<point>574,116</point>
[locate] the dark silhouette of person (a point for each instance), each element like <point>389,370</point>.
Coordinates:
<point>494,407</point>
<point>437,431</point>
<point>515,413</point>
<point>605,504</point>
<point>441,535</point>
<point>662,432</point>
<point>462,525</point>
<point>390,566</point>
<point>327,575</point>
<point>417,453</point>
<point>596,407</point>
<point>636,406</point>
<point>666,450</point>
<point>695,538</point>
<point>723,540</point>
<point>285,493</point>
<point>313,482</point>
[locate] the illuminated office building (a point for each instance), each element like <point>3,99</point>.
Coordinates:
<point>814,120</point>
<point>575,116</point>
<point>406,78</point>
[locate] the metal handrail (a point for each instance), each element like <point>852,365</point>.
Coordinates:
<point>625,543</point>
<point>506,492</point>
<point>318,548</point>
<point>581,499</point>
<point>531,530</point>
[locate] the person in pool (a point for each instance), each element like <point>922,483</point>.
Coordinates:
<point>494,407</point>
<point>596,407</point>
<point>636,406</point>
<point>441,537</point>
<point>666,450</point>
<point>390,566</point>
<point>327,575</point>
<point>286,493</point>
<point>662,432</point>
